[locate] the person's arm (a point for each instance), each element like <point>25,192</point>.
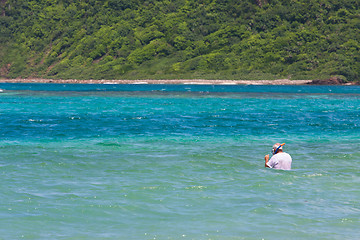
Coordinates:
<point>266,160</point>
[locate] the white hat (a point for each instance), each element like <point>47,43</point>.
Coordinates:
<point>277,147</point>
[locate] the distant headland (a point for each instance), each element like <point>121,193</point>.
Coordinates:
<point>178,39</point>
<point>330,81</point>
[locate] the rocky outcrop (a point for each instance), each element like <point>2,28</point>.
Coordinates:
<point>329,81</point>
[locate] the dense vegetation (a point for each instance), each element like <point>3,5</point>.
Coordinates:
<point>158,39</point>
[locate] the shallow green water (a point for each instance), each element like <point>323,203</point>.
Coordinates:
<point>178,162</point>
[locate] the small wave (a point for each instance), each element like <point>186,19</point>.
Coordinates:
<point>109,144</point>
<point>152,187</point>
<point>34,120</point>
<point>196,187</point>
<point>75,118</point>
<point>138,118</point>
<point>314,175</point>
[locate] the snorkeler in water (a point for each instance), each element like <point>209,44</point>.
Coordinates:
<point>279,160</point>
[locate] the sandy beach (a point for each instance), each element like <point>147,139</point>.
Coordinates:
<point>150,81</point>
<point>331,81</point>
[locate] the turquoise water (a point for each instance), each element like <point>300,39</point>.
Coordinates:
<point>178,162</point>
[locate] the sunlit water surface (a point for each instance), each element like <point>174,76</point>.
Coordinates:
<point>178,162</point>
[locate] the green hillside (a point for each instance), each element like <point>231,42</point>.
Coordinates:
<point>168,39</point>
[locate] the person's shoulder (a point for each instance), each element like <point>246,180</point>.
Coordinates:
<point>286,154</point>
<point>282,154</point>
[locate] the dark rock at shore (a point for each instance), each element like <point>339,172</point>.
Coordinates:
<point>330,81</point>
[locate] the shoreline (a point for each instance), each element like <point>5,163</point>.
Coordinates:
<point>175,81</point>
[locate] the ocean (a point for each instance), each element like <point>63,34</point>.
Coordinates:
<point>178,162</point>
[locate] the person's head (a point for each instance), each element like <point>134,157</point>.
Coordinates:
<point>277,148</point>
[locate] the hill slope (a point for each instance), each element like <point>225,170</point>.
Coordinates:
<point>134,39</point>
